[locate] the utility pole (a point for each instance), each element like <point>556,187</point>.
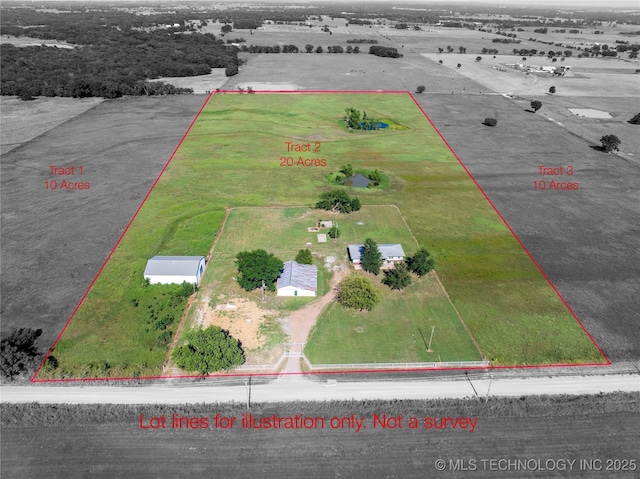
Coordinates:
<point>429,350</point>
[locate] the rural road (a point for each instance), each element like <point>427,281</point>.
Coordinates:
<point>297,388</point>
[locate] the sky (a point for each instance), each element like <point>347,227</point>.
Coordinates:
<point>629,4</point>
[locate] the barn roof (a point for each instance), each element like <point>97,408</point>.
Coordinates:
<point>386,250</point>
<point>173,265</point>
<point>303,276</point>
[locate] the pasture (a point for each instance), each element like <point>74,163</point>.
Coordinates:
<point>233,157</point>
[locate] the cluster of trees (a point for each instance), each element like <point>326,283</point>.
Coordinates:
<point>363,40</point>
<point>19,352</point>
<point>461,49</point>
<point>162,305</point>
<point>119,63</point>
<point>358,292</point>
<point>360,121</point>
<point>269,49</point>
<point>380,51</point>
<point>506,40</point>
<point>399,277</point>
<point>338,200</point>
<point>208,350</point>
<point>489,51</point>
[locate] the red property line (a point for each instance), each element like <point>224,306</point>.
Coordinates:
<point>608,362</point>
<point>33,378</point>
<point>403,92</point>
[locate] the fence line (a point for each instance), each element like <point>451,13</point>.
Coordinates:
<point>289,352</point>
<point>431,365</point>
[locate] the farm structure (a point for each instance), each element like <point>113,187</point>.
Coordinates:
<point>391,253</point>
<point>174,269</point>
<point>298,280</point>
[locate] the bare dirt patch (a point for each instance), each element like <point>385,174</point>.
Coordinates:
<point>242,320</point>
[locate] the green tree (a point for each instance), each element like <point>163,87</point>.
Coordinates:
<point>536,105</point>
<point>610,143</point>
<point>352,118</point>
<point>319,50</point>
<point>334,232</point>
<point>304,257</point>
<point>376,177</point>
<point>347,170</point>
<point>308,48</point>
<point>371,259</point>
<point>357,292</point>
<point>257,266</point>
<point>635,120</point>
<point>337,200</point>
<point>420,89</point>
<point>552,90</point>
<point>398,277</point>
<point>226,29</point>
<point>355,204</point>
<point>421,262</point>
<point>490,122</point>
<point>208,350</point>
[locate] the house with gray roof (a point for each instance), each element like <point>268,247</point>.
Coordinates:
<point>298,279</point>
<point>391,253</point>
<point>174,269</point>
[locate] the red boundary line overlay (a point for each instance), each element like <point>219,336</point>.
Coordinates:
<point>33,378</point>
<point>363,371</point>
<point>608,362</point>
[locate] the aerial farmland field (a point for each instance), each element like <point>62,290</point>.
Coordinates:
<point>237,154</point>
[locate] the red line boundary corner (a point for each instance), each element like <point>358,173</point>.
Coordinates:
<point>365,371</point>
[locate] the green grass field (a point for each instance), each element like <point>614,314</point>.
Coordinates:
<point>232,157</point>
<point>343,336</point>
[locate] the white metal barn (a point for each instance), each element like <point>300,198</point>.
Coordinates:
<point>174,269</point>
<point>298,280</point>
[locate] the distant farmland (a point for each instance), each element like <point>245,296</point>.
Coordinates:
<point>233,156</point>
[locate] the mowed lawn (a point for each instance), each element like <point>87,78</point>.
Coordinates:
<point>391,333</point>
<point>396,331</point>
<point>233,156</point>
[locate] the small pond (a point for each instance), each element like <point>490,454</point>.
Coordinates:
<point>590,113</point>
<point>379,125</point>
<point>358,180</point>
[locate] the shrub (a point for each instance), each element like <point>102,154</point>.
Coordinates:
<point>304,257</point>
<point>421,262</point>
<point>357,292</point>
<point>635,120</point>
<point>490,122</point>
<point>208,350</point>
<point>610,143</point>
<point>398,277</point>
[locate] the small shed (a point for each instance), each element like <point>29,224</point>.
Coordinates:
<point>298,280</point>
<point>174,269</point>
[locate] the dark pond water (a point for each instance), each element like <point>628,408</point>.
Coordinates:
<point>358,180</point>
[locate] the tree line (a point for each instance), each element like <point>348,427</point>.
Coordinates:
<point>118,65</point>
<point>115,55</point>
